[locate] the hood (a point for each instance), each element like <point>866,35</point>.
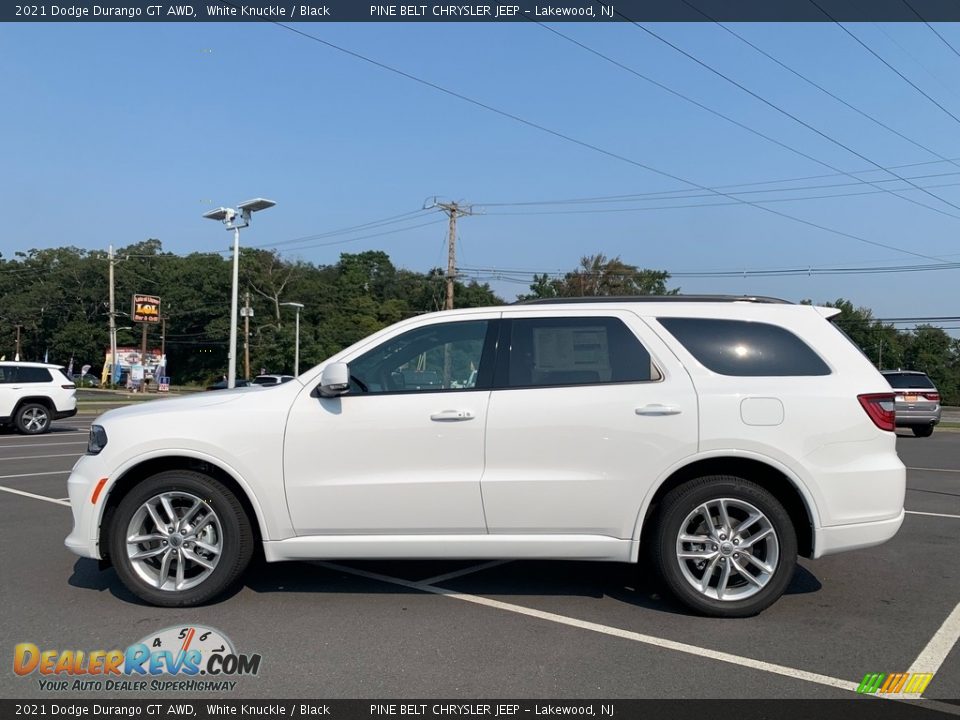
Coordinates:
<point>181,404</point>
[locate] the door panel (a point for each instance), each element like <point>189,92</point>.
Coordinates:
<point>576,456</point>
<point>403,451</point>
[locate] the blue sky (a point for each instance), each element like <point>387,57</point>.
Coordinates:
<point>122,132</point>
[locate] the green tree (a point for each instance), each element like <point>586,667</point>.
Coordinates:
<point>596,276</point>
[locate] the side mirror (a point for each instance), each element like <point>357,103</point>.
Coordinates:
<point>335,380</point>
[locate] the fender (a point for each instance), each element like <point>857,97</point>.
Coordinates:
<point>196,455</point>
<point>795,479</point>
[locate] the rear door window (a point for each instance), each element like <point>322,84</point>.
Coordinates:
<point>571,351</point>
<point>745,349</point>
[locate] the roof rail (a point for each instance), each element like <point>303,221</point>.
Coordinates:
<point>655,298</point>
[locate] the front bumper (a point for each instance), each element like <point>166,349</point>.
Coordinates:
<point>84,539</point>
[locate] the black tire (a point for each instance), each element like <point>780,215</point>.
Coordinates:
<point>33,419</point>
<point>676,508</point>
<point>922,430</point>
<point>237,542</point>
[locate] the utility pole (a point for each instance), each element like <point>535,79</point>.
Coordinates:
<point>453,210</point>
<point>143,356</point>
<point>247,312</point>
<point>17,356</point>
<point>113,325</point>
<point>163,337</point>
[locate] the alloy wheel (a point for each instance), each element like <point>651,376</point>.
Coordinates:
<point>727,549</point>
<point>174,541</point>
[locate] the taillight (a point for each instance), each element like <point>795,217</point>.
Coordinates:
<point>932,397</point>
<point>881,409</point>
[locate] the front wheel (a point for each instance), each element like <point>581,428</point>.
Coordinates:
<point>724,546</point>
<point>179,539</point>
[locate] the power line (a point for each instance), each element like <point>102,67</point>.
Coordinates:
<point>675,207</point>
<point>508,273</point>
<point>819,87</point>
<point>362,237</point>
<point>587,145</point>
<point>403,217</point>
<point>788,114</point>
<point>931,28</point>
<point>756,132</point>
<point>881,59</point>
<point>664,194</point>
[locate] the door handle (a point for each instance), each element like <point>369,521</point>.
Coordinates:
<point>452,416</point>
<point>657,410</point>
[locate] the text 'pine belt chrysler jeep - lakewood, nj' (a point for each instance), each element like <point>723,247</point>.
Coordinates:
<point>724,436</point>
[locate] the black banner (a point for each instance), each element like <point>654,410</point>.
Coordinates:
<point>863,708</point>
<point>506,11</point>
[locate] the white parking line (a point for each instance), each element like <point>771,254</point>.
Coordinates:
<point>40,457</point>
<point>465,571</point>
<point>930,514</point>
<point>932,656</point>
<point>950,470</point>
<point>35,497</point>
<point>21,475</point>
<point>707,653</point>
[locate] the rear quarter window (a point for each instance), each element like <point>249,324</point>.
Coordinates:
<point>745,349</point>
<point>33,375</point>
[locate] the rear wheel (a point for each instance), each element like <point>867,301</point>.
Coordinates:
<point>922,430</point>
<point>33,419</point>
<point>724,546</point>
<point>179,539</point>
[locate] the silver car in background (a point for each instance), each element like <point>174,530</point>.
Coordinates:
<point>917,400</point>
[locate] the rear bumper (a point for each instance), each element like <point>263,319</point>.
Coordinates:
<point>907,417</point>
<point>914,420</point>
<point>840,538</point>
<point>63,414</point>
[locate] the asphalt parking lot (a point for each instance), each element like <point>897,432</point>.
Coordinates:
<point>517,629</point>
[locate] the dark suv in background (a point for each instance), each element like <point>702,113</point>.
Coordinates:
<point>917,400</point>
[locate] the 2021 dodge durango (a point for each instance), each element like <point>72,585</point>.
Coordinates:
<point>723,436</point>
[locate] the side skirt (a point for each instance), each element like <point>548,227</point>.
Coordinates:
<point>450,547</point>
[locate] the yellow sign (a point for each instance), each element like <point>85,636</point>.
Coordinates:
<point>145,309</point>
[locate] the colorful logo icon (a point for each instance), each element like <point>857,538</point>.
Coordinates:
<point>894,683</point>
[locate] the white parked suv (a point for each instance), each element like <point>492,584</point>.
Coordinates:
<point>33,395</point>
<point>725,436</point>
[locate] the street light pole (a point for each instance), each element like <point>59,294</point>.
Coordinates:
<point>228,216</point>
<point>296,352</point>
<point>113,327</point>
<point>232,361</point>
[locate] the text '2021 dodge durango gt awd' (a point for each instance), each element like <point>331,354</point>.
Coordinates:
<point>725,436</point>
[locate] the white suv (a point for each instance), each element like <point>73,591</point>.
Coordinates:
<point>723,435</point>
<point>33,395</point>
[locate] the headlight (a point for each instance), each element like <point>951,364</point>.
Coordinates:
<point>97,440</point>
